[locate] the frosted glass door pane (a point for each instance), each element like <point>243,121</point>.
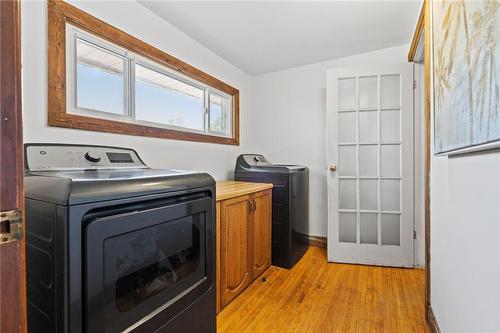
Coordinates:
<point>347,161</point>
<point>347,127</point>
<point>389,122</point>
<point>347,195</point>
<point>389,161</point>
<point>389,193</point>
<point>389,91</point>
<point>390,229</point>
<point>368,228</point>
<point>347,227</point>
<point>368,161</point>
<point>346,93</point>
<point>368,194</point>
<point>368,127</point>
<point>368,92</point>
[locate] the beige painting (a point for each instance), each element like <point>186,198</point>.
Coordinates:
<point>466,47</point>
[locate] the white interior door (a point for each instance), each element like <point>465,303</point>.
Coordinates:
<point>370,153</point>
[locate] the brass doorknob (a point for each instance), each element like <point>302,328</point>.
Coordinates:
<point>333,167</point>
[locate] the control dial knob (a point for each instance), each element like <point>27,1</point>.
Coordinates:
<point>92,157</point>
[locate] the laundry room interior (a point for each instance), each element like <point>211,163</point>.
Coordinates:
<point>250,166</point>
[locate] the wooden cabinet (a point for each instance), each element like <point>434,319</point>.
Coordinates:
<point>260,233</point>
<point>243,241</point>
<point>235,243</point>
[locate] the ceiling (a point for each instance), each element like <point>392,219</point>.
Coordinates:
<point>261,37</point>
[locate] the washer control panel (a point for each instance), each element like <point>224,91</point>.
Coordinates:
<point>40,157</point>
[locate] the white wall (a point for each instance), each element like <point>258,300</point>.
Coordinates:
<point>465,241</point>
<point>289,120</point>
<point>140,22</point>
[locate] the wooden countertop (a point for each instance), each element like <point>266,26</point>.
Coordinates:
<point>226,189</point>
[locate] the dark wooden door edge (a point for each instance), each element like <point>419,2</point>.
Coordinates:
<point>12,293</point>
<point>12,255</point>
<point>11,161</point>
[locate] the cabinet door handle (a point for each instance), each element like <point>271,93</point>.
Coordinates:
<point>254,205</point>
<point>250,207</point>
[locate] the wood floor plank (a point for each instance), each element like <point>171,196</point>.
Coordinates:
<point>316,296</point>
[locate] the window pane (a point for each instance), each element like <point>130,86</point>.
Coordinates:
<point>162,99</point>
<point>346,127</point>
<point>368,161</point>
<point>390,194</point>
<point>389,91</point>
<point>347,227</point>
<point>391,229</point>
<point>220,112</point>
<point>368,194</point>
<point>389,160</point>
<point>346,93</point>
<point>389,122</point>
<point>368,127</point>
<point>347,193</point>
<point>368,92</point>
<point>99,79</point>
<point>216,115</point>
<point>368,228</point>
<point>347,161</point>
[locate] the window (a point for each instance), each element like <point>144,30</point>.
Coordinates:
<point>99,79</point>
<point>110,81</point>
<point>220,111</point>
<point>113,82</point>
<point>162,99</point>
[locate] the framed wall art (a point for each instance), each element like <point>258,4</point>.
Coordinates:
<point>466,67</point>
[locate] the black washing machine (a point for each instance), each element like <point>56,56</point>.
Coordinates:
<point>290,225</point>
<point>114,246</point>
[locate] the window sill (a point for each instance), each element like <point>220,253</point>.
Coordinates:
<point>75,121</point>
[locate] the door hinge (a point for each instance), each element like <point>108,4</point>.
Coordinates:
<point>11,226</point>
<point>414,234</point>
<point>414,84</point>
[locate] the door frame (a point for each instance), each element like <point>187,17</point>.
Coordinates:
<point>422,41</point>
<point>12,254</point>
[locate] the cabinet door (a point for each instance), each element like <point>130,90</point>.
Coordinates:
<point>261,233</point>
<point>234,251</point>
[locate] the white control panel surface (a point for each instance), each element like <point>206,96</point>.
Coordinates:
<point>48,157</point>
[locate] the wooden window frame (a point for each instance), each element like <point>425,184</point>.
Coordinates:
<point>60,13</point>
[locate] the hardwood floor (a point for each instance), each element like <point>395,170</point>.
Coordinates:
<point>316,296</point>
